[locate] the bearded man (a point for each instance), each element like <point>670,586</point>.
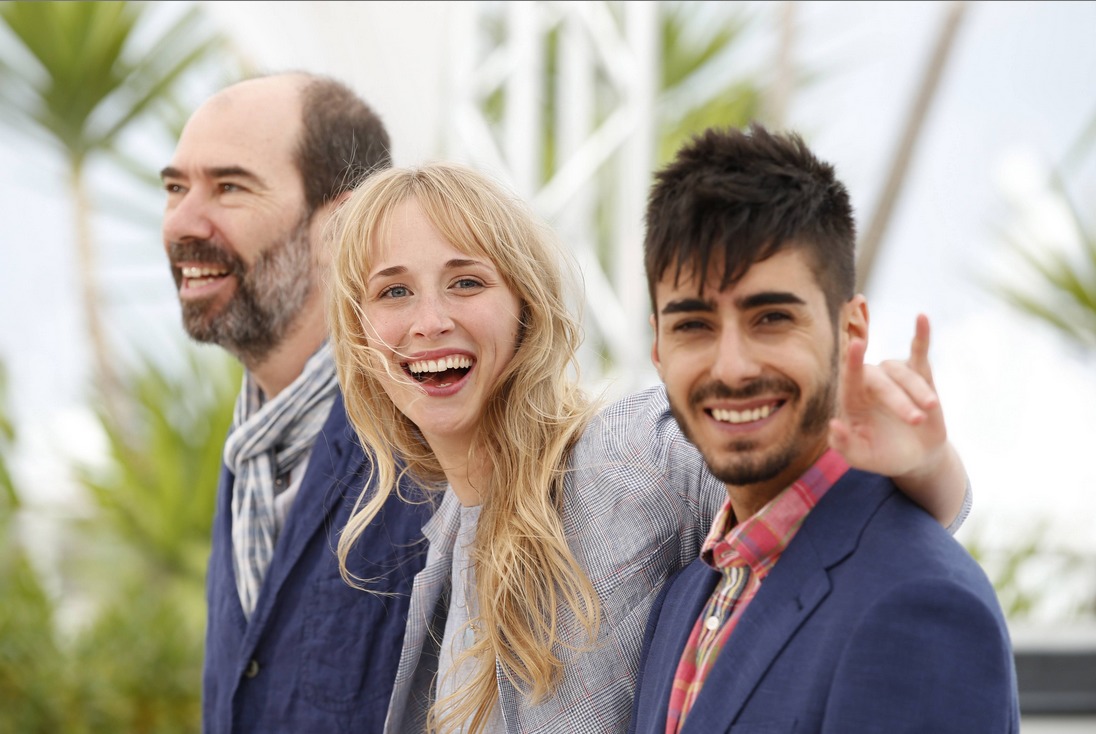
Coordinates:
<point>290,647</point>
<point>823,599</point>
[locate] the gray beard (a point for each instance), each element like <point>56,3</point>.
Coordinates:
<point>268,298</point>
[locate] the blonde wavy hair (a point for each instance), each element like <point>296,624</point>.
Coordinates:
<point>524,569</point>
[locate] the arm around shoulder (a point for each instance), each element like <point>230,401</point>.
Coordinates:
<point>943,489</point>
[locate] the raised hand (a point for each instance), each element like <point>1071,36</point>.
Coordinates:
<point>889,421</point>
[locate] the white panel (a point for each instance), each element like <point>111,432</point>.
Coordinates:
<point>366,45</point>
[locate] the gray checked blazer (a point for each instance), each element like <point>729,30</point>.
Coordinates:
<point>638,502</point>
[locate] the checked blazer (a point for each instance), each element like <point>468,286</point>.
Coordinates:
<point>637,503</point>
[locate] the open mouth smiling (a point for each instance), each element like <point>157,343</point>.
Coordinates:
<point>751,415</point>
<point>439,372</point>
<point>195,277</point>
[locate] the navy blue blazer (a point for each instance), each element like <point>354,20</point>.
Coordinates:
<point>873,620</point>
<point>318,655</point>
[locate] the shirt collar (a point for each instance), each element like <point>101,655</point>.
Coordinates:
<point>759,540</point>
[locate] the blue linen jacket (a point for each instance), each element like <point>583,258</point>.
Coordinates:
<point>318,655</point>
<point>873,620</point>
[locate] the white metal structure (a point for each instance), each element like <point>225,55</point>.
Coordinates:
<point>468,81</point>
<point>602,134</point>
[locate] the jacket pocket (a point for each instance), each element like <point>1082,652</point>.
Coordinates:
<point>351,647</point>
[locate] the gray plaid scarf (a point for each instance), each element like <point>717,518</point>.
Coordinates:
<point>268,440</point>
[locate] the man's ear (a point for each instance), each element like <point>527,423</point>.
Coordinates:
<point>320,231</point>
<point>338,200</point>
<point>654,346</point>
<point>323,213</point>
<point>854,321</point>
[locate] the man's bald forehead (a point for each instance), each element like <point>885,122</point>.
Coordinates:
<point>268,108</point>
<point>283,88</point>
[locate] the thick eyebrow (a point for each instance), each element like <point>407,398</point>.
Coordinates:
<point>217,172</point>
<point>754,300</point>
<point>453,264</point>
<point>387,272</point>
<point>688,305</point>
<point>770,298</point>
<point>461,263</point>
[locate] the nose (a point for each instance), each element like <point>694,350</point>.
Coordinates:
<point>187,217</point>
<point>431,317</point>
<point>735,360</point>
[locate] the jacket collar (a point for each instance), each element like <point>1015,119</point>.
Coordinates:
<point>794,588</point>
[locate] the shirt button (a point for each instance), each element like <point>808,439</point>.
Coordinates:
<point>711,623</point>
<point>252,669</point>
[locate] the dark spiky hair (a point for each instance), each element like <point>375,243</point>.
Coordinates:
<point>731,198</point>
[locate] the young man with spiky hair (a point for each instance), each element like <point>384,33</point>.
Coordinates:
<point>824,600</point>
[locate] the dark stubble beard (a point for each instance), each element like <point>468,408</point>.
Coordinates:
<point>268,298</point>
<point>743,469</point>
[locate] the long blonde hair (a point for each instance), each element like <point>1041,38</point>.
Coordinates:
<point>523,567</point>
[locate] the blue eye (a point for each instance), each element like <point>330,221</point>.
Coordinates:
<point>395,291</point>
<point>467,283</point>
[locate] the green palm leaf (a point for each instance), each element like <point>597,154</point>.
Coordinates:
<point>78,75</point>
<point>157,491</point>
<point>695,47</point>
<point>1065,297</point>
<point>81,78</point>
<point>9,498</point>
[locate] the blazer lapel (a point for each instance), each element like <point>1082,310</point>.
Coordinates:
<point>682,604</point>
<point>797,584</point>
<point>331,464</point>
<point>222,566</point>
<point>780,607</point>
<point>425,622</point>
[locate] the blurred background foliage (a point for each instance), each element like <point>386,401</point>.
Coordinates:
<point>107,636</point>
<point>110,639</point>
<point>77,76</point>
<point>1064,297</point>
<point>689,50</point>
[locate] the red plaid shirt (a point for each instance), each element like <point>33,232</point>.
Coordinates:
<point>744,554</point>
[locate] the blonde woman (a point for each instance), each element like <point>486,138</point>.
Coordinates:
<point>557,522</point>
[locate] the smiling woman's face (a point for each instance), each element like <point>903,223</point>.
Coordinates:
<point>446,321</point>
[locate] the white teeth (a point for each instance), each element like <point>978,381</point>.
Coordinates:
<point>743,416</point>
<point>440,365</point>
<point>193,272</point>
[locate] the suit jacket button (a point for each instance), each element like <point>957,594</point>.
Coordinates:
<point>252,669</point>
